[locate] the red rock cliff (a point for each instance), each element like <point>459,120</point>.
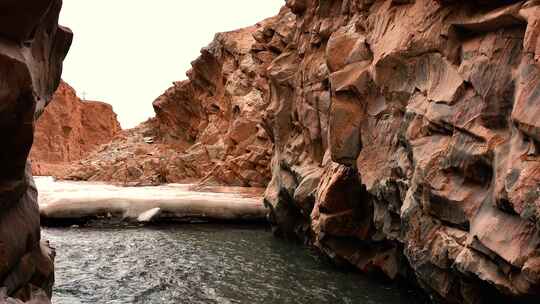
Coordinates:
<point>405,136</point>
<point>407,141</point>
<point>207,128</point>
<point>69,130</point>
<point>32,48</point>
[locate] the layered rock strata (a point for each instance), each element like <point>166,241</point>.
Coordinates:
<point>407,141</point>
<point>208,127</point>
<point>32,48</point>
<point>69,130</point>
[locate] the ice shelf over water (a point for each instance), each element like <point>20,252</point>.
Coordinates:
<point>69,200</point>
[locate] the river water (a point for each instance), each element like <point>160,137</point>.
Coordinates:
<point>201,264</point>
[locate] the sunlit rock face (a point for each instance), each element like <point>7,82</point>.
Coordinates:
<point>207,128</point>
<point>68,130</point>
<point>32,47</point>
<point>407,140</point>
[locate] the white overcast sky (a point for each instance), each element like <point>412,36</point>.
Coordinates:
<point>128,52</point>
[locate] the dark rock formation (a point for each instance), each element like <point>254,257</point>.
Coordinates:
<point>32,47</point>
<point>406,141</point>
<point>69,130</point>
<point>206,128</point>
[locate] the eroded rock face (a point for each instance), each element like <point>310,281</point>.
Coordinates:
<point>406,141</point>
<point>405,136</point>
<point>68,130</point>
<point>32,48</point>
<point>207,128</point>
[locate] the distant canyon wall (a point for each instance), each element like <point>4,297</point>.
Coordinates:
<point>69,130</point>
<point>207,128</point>
<point>32,48</point>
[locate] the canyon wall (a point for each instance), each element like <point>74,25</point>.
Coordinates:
<point>400,137</point>
<point>70,129</point>
<point>32,48</point>
<point>407,141</point>
<point>207,128</point>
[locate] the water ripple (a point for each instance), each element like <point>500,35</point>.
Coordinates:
<point>200,264</point>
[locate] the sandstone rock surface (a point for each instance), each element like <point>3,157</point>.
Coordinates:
<point>68,130</point>
<point>68,202</point>
<point>406,141</point>
<point>207,128</point>
<point>32,48</point>
<point>404,137</point>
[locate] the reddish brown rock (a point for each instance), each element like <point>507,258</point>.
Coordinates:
<point>68,130</point>
<point>404,137</point>
<point>406,141</point>
<point>32,48</point>
<point>207,128</point>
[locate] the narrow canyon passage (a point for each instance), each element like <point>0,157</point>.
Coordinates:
<point>397,137</point>
<point>201,264</point>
